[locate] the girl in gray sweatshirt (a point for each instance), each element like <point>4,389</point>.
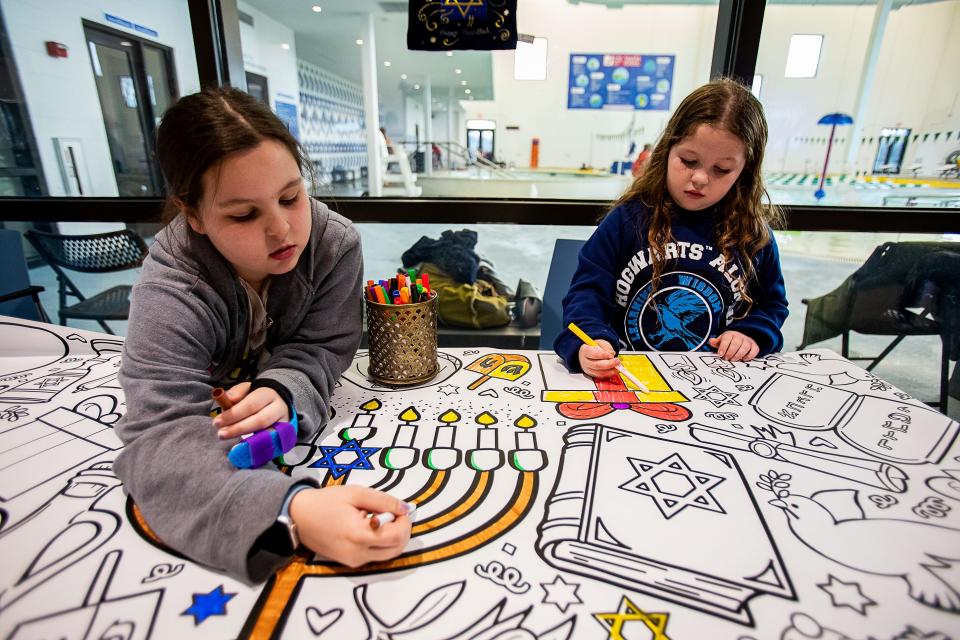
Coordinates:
<point>255,286</point>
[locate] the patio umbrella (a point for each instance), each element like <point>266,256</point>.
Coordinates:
<point>833,119</point>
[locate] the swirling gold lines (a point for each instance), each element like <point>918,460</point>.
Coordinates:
<point>427,14</point>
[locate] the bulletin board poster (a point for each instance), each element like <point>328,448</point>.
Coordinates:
<point>620,81</point>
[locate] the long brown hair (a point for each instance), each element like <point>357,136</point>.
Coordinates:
<point>745,212</point>
<point>201,129</point>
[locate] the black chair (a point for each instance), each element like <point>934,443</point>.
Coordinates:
<point>16,291</point>
<point>96,253</point>
<point>879,298</point>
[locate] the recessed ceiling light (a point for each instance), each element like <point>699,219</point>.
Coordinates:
<point>358,41</point>
<point>386,63</point>
<point>458,71</point>
<point>416,87</point>
<point>463,83</point>
<point>403,76</point>
<point>285,46</point>
<point>317,8</point>
<point>449,54</point>
<point>467,91</point>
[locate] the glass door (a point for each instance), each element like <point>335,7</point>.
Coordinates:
<point>135,85</point>
<point>890,147</point>
<point>20,169</point>
<point>257,87</point>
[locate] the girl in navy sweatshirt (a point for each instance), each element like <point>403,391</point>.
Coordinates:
<point>686,259</point>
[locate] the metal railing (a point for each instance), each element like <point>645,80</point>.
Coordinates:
<point>451,150</point>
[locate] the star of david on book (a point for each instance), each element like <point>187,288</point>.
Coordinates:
<point>673,485</point>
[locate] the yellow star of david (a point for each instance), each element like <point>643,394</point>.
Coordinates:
<point>463,5</point>
<point>627,611</point>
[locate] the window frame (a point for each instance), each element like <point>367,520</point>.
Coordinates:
<point>216,31</point>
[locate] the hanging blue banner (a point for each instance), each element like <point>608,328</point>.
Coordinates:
<point>620,81</point>
<point>444,25</point>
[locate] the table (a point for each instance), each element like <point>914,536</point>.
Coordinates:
<point>796,496</point>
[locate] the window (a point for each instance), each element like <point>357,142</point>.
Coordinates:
<point>803,57</point>
<point>902,98</point>
<point>602,94</point>
<point>530,61</point>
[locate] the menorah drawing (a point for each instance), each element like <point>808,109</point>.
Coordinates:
<point>449,476</point>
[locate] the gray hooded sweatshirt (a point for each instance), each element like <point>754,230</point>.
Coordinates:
<point>187,331</point>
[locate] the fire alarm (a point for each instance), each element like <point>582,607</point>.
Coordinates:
<point>56,50</point>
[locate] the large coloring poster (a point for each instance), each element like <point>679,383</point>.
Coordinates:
<point>795,496</point>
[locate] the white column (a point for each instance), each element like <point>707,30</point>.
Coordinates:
<point>428,126</point>
<point>371,110</point>
<point>450,129</point>
<point>866,83</point>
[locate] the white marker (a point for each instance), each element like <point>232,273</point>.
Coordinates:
<point>632,378</point>
<point>380,519</point>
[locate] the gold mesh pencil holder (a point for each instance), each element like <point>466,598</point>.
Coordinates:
<point>403,341</point>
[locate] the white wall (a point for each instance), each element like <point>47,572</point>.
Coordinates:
<point>539,107</point>
<point>61,93</point>
<point>916,84</point>
<point>263,55</point>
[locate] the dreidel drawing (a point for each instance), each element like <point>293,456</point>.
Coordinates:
<point>503,366</point>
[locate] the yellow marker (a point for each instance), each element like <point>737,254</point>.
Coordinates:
<point>577,331</point>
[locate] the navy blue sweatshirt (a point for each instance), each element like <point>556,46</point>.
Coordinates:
<point>699,298</point>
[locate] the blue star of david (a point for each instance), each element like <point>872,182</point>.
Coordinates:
<point>673,485</point>
<point>208,604</point>
<point>337,469</point>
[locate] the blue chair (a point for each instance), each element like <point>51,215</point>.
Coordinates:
<point>566,254</point>
<point>18,298</point>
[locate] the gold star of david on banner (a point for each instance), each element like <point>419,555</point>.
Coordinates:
<point>463,6</point>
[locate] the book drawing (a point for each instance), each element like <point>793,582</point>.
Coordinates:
<point>671,520</point>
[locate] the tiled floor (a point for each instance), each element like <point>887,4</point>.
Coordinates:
<point>525,252</point>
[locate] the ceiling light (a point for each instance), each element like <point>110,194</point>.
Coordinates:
<point>359,41</point>
<point>403,76</point>
<point>285,46</point>
<point>458,71</point>
<point>466,91</point>
<point>416,87</point>
<point>463,83</point>
<point>386,63</point>
<point>449,54</point>
<point>317,8</point>
<point>126,43</point>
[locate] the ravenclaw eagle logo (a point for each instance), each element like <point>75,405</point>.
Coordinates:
<point>674,313</point>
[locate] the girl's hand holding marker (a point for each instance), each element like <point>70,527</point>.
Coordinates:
<point>602,362</point>
<point>257,418</point>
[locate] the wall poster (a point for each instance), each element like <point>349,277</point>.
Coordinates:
<point>620,81</point>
